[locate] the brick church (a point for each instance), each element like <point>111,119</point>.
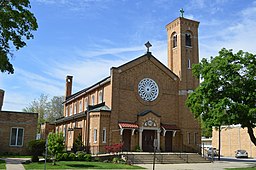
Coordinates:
<point>142,103</point>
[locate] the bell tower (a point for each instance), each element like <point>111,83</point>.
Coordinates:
<point>183,51</point>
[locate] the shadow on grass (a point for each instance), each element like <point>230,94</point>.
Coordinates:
<point>80,166</point>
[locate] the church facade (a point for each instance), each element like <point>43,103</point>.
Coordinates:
<point>142,103</point>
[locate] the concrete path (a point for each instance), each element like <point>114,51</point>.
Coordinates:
<point>15,163</point>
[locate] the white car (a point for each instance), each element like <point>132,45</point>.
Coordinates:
<point>241,154</point>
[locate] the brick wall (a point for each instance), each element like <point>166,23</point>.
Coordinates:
<point>27,121</point>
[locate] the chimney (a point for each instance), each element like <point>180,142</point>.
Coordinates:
<point>68,86</point>
<point>1,98</point>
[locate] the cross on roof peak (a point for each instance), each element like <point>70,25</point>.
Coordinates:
<point>182,12</point>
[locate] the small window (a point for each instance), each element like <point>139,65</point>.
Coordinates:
<point>188,39</point>
<point>188,138</point>
<point>85,103</point>
<point>95,136</point>
<point>90,134</point>
<point>75,108</point>
<point>92,99</point>
<point>104,135</point>
<point>100,97</point>
<point>70,110</point>
<point>174,40</point>
<point>189,64</point>
<point>66,111</point>
<point>195,137</point>
<point>80,106</point>
<point>17,135</point>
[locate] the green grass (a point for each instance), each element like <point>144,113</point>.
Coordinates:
<point>79,165</point>
<point>14,156</point>
<point>241,168</point>
<point>2,164</point>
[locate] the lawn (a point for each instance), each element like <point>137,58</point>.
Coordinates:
<point>80,165</point>
<point>2,164</point>
<point>241,168</point>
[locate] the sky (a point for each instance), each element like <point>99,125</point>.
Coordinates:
<point>85,38</point>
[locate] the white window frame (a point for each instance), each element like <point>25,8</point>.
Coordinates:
<point>70,110</point>
<point>104,135</point>
<point>95,135</point>
<point>85,103</point>
<point>189,63</point>
<point>75,108</point>
<point>16,137</point>
<point>100,96</point>
<point>93,99</point>
<point>80,106</point>
<point>66,111</point>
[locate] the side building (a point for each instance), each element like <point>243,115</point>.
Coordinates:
<point>17,129</point>
<point>142,103</point>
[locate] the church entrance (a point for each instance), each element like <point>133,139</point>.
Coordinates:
<point>148,137</point>
<point>127,139</point>
<point>168,141</point>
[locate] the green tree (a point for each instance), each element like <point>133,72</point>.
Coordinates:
<point>55,144</point>
<point>48,111</point>
<point>55,109</point>
<point>16,24</point>
<point>40,106</point>
<point>227,93</point>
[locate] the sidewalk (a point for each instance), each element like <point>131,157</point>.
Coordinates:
<point>218,165</point>
<point>15,163</point>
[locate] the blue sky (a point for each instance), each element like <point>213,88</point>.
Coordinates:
<point>85,38</point>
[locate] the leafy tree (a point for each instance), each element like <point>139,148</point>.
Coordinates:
<point>16,23</point>
<point>227,93</point>
<point>47,110</point>
<point>39,106</point>
<point>55,109</point>
<point>55,144</point>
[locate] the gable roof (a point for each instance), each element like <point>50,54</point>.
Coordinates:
<point>146,112</point>
<point>143,58</point>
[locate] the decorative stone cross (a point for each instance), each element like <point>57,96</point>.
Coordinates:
<point>148,45</point>
<point>181,12</point>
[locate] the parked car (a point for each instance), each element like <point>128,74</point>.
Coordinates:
<point>212,152</point>
<point>241,154</point>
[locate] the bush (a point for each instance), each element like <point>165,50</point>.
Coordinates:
<point>59,157</point>
<point>72,157</point>
<point>65,156</point>
<point>80,156</point>
<point>36,147</point>
<point>88,157</point>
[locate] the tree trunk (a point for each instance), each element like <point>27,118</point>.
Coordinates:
<point>252,137</point>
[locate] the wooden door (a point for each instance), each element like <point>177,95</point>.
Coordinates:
<point>168,141</point>
<point>127,140</point>
<point>148,140</point>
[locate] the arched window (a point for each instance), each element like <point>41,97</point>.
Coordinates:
<point>188,39</point>
<point>189,64</point>
<point>85,103</point>
<point>93,100</point>
<point>100,97</point>
<point>174,40</point>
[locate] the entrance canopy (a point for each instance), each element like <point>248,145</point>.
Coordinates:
<point>125,125</point>
<point>167,128</point>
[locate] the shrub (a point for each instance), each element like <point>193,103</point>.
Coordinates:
<point>65,156</point>
<point>59,157</point>
<point>88,157</point>
<point>115,160</point>
<point>80,156</point>
<point>72,157</point>
<point>36,147</point>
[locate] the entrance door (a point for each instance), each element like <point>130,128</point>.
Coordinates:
<point>127,139</point>
<point>168,141</point>
<point>148,140</point>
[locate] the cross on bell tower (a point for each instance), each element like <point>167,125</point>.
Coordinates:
<point>182,12</point>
